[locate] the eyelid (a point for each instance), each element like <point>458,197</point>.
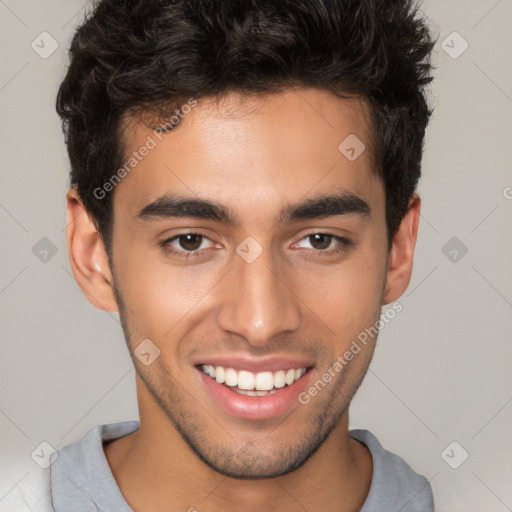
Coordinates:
<point>342,240</point>
<point>175,237</point>
<point>191,231</point>
<point>343,244</point>
<point>168,248</point>
<point>203,239</point>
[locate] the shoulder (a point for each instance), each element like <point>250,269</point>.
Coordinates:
<point>395,485</point>
<point>88,449</point>
<point>69,470</point>
<point>81,478</point>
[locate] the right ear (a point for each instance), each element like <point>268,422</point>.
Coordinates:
<point>87,255</point>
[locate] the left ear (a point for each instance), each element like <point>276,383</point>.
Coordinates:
<point>402,252</point>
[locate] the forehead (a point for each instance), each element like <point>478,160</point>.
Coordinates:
<point>251,151</point>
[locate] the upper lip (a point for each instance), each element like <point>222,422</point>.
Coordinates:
<point>255,365</point>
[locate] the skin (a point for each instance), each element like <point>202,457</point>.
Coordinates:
<point>255,156</point>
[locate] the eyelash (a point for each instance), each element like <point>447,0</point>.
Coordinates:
<point>168,249</point>
<point>344,245</point>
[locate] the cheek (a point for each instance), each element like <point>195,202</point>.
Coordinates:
<point>159,297</point>
<point>347,297</point>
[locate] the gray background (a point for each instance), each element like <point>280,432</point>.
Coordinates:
<point>441,372</point>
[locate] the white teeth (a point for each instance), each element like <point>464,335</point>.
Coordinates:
<point>290,377</point>
<point>255,393</point>
<point>231,377</point>
<point>245,380</point>
<point>254,384</point>
<point>279,381</point>
<point>220,374</point>
<point>264,381</point>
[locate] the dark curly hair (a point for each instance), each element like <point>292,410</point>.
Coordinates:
<point>133,57</point>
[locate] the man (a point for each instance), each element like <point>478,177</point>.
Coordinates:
<point>242,192</point>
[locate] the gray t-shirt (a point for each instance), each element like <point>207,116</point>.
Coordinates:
<point>81,479</point>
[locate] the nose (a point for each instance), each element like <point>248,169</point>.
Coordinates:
<point>259,302</point>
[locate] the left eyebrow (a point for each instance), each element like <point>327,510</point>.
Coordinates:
<point>175,206</point>
<point>343,203</point>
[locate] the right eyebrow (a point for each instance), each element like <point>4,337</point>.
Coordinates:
<point>168,206</point>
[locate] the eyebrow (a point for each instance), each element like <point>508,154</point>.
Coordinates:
<point>344,203</point>
<point>329,205</point>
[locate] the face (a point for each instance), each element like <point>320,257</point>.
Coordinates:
<point>247,244</point>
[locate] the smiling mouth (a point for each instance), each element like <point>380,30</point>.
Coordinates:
<point>253,384</point>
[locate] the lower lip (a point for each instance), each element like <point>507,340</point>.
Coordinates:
<point>256,407</point>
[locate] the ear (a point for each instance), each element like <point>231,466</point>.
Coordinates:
<point>87,255</point>
<point>402,251</point>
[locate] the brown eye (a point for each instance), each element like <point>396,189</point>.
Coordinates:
<point>188,246</point>
<point>324,244</point>
<point>320,241</point>
<point>190,241</point>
